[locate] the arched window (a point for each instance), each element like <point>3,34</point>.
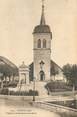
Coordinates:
<point>44,43</point>
<point>39,43</point>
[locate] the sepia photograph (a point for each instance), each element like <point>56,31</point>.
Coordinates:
<point>38,58</point>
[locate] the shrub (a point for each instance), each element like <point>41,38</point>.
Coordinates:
<point>11,84</point>
<point>4,91</point>
<point>31,93</point>
<point>57,86</point>
<point>24,93</point>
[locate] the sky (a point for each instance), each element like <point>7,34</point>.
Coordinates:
<point>18,19</point>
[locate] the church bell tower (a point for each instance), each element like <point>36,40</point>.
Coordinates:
<point>42,49</point>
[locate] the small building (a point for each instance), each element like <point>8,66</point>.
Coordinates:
<point>23,74</point>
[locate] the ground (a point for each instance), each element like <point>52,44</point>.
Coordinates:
<point>10,108</point>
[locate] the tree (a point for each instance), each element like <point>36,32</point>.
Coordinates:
<point>74,75</point>
<point>70,72</point>
<point>1,77</point>
<point>8,71</point>
<point>54,71</point>
<point>67,71</point>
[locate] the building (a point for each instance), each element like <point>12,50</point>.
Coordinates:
<point>42,65</point>
<point>42,49</point>
<point>8,69</point>
<point>23,74</point>
<point>42,68</point>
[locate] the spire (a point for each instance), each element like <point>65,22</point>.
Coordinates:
<point>42,21</point>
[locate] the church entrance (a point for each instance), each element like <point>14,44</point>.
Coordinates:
<point>42,76</point>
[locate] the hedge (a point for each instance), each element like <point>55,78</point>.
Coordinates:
<point>5,91</point>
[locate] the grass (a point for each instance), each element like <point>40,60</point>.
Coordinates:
<point>65,114</point>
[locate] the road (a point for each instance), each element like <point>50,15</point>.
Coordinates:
<point>10,108</point>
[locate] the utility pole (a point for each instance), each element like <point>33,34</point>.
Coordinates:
<point>34,89</point>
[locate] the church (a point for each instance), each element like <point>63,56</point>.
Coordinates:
<point>42,65</point>
<point>43,68</point>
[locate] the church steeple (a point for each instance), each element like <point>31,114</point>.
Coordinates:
<point>42,49</point>
<point>42,21</point>
<point>42,27</point>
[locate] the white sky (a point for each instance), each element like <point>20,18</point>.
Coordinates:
<point>18,19</point>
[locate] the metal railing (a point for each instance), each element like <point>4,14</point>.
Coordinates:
<point>55,108</point>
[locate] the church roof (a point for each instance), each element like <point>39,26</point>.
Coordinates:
<point>42,29</point>
<point>53,64</point>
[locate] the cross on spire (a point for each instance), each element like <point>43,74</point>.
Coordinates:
<point>42,22</point>
<point>43,2</point>
<point>43,5</point>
